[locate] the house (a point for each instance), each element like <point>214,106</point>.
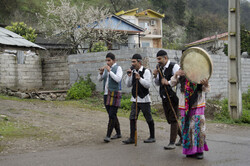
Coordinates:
<point>213,44</point>
<point>151,21</point>
<point>120,24</point>
<point>19,63</point>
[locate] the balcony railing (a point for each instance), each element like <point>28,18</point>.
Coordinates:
<point>152,32</point>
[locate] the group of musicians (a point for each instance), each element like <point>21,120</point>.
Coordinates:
<point>166,75</point>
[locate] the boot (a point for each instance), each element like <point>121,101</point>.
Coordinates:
<point>199,155</point>
<point>179,143</point>
<point>117,129</point>
<point>170,146</point>
<point>109,130</point>
<point>173,132</point>
<point>151,126</point>
<point>131,140</point>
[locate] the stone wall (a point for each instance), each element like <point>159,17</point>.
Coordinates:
<point>55,72</point>
<point>26,75</point>
<point>83,64</point>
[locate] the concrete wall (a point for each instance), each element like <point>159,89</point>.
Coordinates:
<point>55,72</point>
<point>83,64</point>
<point>24,76</point>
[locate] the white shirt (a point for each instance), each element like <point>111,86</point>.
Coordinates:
<point>116,77</point>
<point>175,69</point>
<point>145,82</point>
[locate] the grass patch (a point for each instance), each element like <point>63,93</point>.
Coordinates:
<point>224,115</point>
<point>11,129</point>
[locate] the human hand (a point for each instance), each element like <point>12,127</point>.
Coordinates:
<point>180,73</point>
<point>155,73</point>
<point>204,82</point>
<point>107,68</point>
<point>137,76</point>
<point>164,81</point>
<point>129,72</point>
<point>101,70</point>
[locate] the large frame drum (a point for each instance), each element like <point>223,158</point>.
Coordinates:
<point>197,64</point>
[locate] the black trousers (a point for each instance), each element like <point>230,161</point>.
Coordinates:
<point>146,110</point>
<point>170,116</point>
<point>113,120</point>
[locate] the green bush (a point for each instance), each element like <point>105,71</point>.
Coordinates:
<point>126,104</point>
<point>81,89</point>
<point>99,47</point>
<point>23,30</point>
<point>224,115</point>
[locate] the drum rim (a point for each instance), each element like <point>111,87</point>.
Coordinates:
<point>202,52</point>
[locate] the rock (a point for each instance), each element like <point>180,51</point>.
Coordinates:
<point>47,98</point>
<point>61,98</point>
<point>24,96</point>
<point>10,93</point>
<point>17,94</point>
<point>42,97</point>
<point>53,96</point>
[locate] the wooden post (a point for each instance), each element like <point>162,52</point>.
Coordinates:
<point>234,62</point>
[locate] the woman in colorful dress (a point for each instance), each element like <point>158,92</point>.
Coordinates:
<point>192,107</point>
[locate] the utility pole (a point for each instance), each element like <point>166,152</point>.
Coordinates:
<point>234,62</point>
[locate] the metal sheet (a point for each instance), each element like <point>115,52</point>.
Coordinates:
<point>9,38</point>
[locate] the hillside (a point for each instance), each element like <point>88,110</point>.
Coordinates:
<point>185,21</point>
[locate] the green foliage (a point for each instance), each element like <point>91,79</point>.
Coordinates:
<point>125,102</point>
<point>23,30</point>
<point>244,41</point>
<point>81,89</point>
<point>225,49</point>
<point>99,47</point>
<point>224,115</point>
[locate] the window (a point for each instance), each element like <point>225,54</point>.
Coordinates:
<point>145,44</point>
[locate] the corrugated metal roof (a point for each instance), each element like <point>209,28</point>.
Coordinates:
<point>9,38</point>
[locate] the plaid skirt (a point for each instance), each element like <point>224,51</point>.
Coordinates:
<point>114,98</point>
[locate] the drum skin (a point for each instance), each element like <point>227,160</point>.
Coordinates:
<point>197,64</point>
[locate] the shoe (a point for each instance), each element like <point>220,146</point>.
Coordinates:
<point>199,155</point>
<point>170,146</point>
<point>107,139</point>
<point>149,140</point>
<point>129,141</point>
<point>179,143</point>
<point>116,136</point>
<point>191,155</point>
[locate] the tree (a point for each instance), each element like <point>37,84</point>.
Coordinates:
<point>191,29</point>
<point>79,25</point>
<point>23,30</point>
<point>180,6</point>
<point>244,42</point>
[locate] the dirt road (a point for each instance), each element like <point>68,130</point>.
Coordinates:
<point>74,136</point>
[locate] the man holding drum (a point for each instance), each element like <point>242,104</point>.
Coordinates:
<point>162,75</point>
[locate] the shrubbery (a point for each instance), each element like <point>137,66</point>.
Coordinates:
<point>81,89</point>
<point>125,102</point>
<point>23,30</point>
<point>99,47</point>
<point>224,115</point>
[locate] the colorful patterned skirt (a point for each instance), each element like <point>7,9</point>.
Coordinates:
<point>114,98</point>
<point>193,131</point>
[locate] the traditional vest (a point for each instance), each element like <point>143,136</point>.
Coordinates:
<point>112,84</point>
<point>167,74</point>
<point>142,92</point>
